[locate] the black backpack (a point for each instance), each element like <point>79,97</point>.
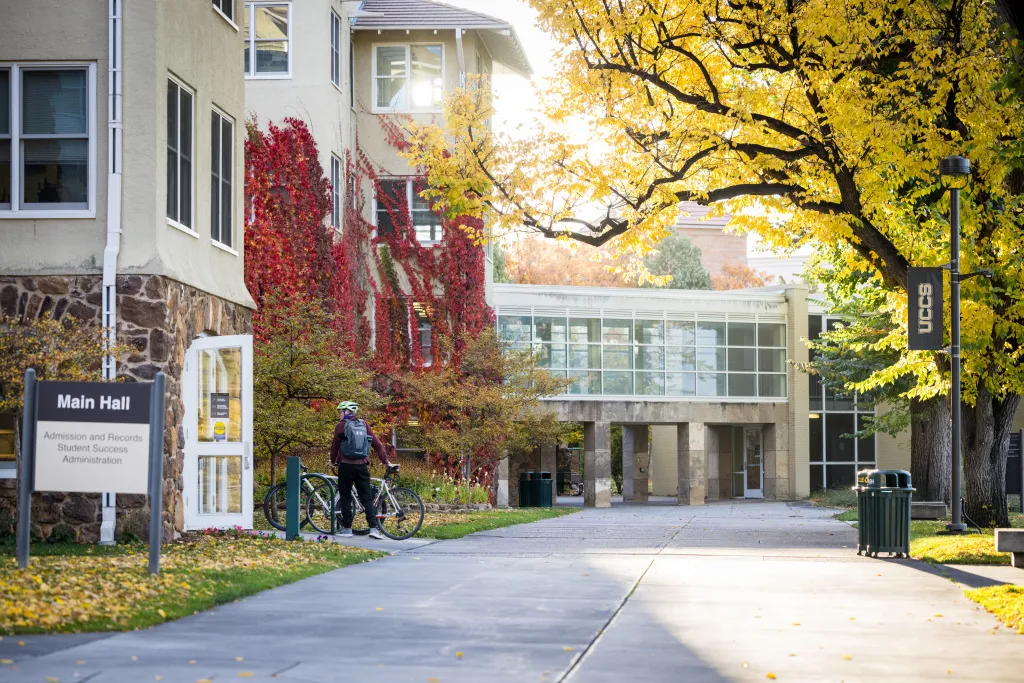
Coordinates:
<point>356,444</point>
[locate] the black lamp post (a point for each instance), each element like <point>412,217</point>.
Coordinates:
<point>955,172</point>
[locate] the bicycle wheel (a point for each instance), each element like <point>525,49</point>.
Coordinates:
<point>275,507</point>
<point>318,505</point>
<point>401,514</point>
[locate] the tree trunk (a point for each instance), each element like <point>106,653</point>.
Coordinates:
<point>931,461</point>
<point>986,441</point>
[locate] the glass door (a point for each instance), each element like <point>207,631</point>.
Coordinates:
<point>754,463</point>
<point>218,433</point>
<point>739,470</point>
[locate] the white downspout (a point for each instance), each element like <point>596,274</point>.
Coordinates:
<point>462,57</point>
<point>110,252</point>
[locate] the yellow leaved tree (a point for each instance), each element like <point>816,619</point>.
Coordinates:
<point>812,121</point>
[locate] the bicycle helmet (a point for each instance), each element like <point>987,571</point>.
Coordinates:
<point>350,406</point>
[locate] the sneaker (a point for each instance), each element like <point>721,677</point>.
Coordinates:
<point>375,533</point>
<point>345,532</point>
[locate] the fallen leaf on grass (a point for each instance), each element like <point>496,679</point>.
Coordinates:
<point>162,613</point>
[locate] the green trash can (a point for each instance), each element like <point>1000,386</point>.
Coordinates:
<point>883,512</point>
<point>525,490</point>
<point>545,490</point>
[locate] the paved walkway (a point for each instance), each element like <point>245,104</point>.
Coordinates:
<point>725,592</point>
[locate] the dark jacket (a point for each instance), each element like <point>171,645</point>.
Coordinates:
<point>339,438</point>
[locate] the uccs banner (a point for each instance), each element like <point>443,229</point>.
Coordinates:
<point>925,314</point>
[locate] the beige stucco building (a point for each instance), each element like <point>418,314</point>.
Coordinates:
<point>121,130</point>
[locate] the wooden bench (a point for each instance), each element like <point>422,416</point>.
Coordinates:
<point>1011,541</point>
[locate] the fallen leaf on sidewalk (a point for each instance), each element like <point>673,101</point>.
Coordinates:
<point>796,623</point>
<point>380,609</point>
<point>245,674</point>
<point>847,657</point>
<point>938,614</point>
<point>770,676</point>
<point>568,649</point>
<point>11,661</point>
<point>239,659</point>
<point>459,655</point>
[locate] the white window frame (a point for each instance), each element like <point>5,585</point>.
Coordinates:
<point>407,108</point>
<point>225,17</point>
<point>15,210</point>
<point>223,116</point>
<point>192,211</point>
<point>250,7</point>
<point>336,192</point>
<point>409,182</point>
<point>335,50</point>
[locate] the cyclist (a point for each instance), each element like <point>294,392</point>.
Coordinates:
<point>350,452</point>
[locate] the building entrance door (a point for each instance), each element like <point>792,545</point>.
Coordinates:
<point>218,433</point>
<point>747,462</point>
<point>754,456</point>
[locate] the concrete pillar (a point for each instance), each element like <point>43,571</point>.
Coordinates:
<point>641,463</point>
<point>549,463</point>
<point>711,455</point>
<point>793,478</point>
<point>597,464</point>
<point>691,442</point>
<point>501,475</point>
<point>627,463</point>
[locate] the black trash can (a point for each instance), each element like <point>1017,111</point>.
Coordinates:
<point>545,491</point>
<point>525,490</point>
<point>883,512</point>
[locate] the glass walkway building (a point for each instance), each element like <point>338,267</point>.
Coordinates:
<point>704,384</point>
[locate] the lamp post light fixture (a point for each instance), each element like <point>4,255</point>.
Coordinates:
<point>956,173</point>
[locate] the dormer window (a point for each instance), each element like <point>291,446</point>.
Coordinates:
<point>408,78</point>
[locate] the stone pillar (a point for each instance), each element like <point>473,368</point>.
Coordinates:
<point>691,444</point>
<point>627,463</point>
<point>641,463</point>
<point>597,464</point>
<point>549,463</point>
<point>501,475</point>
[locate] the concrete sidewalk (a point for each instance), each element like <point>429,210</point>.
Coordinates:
<point>660,593</point>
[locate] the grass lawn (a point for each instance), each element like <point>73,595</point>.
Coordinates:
<point>448,525</point>
<point>74,588</point>
<point>1006,602</point>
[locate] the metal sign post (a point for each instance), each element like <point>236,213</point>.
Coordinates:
<point>27,468</point>
<point>156,470</point>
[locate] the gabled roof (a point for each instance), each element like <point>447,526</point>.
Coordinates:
<point>497,35</point>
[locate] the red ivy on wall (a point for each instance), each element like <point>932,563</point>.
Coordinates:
<point>374,283</point>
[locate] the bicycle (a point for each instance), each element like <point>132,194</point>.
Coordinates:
<point>275,503</point>
<point>399,509</point>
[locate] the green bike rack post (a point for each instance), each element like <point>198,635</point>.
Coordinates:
<point>294,474</point>
<point>334,517</point>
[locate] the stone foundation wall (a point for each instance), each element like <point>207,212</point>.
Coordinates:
<point>158,318</point>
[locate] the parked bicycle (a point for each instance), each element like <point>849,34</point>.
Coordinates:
<point>399,510</point>
<point>312,486</point>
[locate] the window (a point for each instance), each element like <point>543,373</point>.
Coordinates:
<point>179,155</point>
<point>335,49</point>
<point>645,354</point>
<point>408,77</point>
<point>394,196</point>
<point>426,343</point>
<point>335,192</point>
<point>835,456</point>
<point>268,39</point>
<point>226,7</point>
<point>222,140</point>
<point>47,140</point>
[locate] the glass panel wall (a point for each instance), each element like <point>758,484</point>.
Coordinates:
<point>835,457</point>
<point>651,356</point>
